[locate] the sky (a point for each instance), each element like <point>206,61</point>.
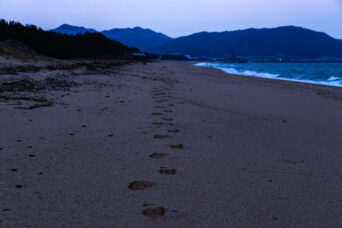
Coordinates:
<point>178,17</point>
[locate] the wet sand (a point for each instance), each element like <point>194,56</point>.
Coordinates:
<point>168,144</point>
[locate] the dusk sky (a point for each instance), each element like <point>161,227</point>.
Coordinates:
<point>178,17</point>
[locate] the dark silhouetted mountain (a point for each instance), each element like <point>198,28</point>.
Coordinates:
<point>72,30</point>
<point>144,39</point>
<point>285,42</point>
<point>61,45</point>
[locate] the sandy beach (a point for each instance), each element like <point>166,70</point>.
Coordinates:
<point>166,144</point>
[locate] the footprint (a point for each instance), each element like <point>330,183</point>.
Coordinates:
<point>158,123</point>
<point>176,146</point>
<point>162,101</point>
<point>140,185</point>
<point>161,136</point>
<point>167,171</point>
<point>154,212</point>
<point>173,131</point>
<point>158,155</point>
<point>156,114</point>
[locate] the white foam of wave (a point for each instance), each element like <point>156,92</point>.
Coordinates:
<point>332,81</point>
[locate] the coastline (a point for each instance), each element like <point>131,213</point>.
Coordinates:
<point>217,149</point>
<point>330,81</point>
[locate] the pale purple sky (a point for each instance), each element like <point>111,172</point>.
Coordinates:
<point>178,17</point>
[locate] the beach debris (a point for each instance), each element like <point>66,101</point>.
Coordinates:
<point>39,102</point>
<point>140,185</point>
<point>47,104</point>
<point>29,84</point>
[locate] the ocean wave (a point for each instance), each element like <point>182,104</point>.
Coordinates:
<point>229,68</point>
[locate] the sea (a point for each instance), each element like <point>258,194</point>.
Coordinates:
<point>323,73</point>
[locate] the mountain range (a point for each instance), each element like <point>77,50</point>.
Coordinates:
<point>72,30</point>
<point>282,42</point>
<point>144,39</point>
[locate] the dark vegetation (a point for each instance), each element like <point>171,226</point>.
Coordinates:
<point>87,45</point>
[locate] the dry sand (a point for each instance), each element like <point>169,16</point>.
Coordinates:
<point>168,144</point>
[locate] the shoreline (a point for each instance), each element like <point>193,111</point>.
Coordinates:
<point>169,144</point>
<point>268,75</point>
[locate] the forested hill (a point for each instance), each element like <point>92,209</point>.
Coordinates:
<point>61,45</point>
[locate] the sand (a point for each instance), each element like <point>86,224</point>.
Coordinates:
<point>168,144</point>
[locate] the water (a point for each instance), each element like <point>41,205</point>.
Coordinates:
<point>315,73</point>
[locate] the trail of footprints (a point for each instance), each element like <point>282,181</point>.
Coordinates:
<point>162,121</point>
